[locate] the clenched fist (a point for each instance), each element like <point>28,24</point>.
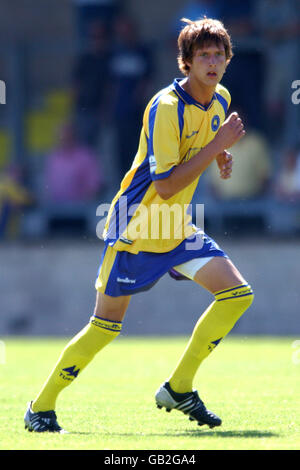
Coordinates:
<point>224,162</point>
<point>230,132</point>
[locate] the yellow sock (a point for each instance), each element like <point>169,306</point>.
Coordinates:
<point>76,355</point>
<point>212,326</point>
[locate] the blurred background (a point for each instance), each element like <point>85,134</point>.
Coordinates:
<point>78,75</point>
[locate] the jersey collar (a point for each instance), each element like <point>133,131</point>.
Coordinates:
<point>187,98</point>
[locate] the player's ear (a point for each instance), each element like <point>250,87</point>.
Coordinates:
<point>187,64</point>
<point>189,61</point>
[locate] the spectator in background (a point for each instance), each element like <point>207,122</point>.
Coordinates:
<point>252,169</point>
<point>72,173</point>
<point>278,23</point>
<point>88,11</point>
<point>13,197</point>
<point>90,84</point>
<point>287,186</point>
<point>238,17</point>
<point>130,70</point>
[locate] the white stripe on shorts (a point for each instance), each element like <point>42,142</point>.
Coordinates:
<point>190,268</point>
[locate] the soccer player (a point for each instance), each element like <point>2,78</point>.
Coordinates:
<point>185,129</point>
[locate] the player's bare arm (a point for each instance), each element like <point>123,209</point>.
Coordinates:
<point>229,133</point>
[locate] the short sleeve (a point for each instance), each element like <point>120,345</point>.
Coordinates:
<point>163,137</point>
<point>224,97</point>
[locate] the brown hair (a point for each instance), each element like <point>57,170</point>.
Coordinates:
<point>198,33</point>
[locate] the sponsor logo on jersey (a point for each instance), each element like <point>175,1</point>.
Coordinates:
<point>191,135</point>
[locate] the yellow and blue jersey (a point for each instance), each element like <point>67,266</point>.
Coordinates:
<point>175,128</point>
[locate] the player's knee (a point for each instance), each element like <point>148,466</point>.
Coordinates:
<point>251,297</point>
<point>244,298</point>
<point>111,308</point>
<point>240,298</point>
<point>248,300</point>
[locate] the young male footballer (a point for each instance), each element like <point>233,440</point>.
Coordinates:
<point>184,130</point>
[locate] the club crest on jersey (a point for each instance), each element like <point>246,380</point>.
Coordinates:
<point>215,122</point>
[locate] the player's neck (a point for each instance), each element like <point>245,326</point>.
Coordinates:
<point>199,91</point>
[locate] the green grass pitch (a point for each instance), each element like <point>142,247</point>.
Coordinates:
<point>252,383</point>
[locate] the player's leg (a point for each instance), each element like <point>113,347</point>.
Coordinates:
<point>219,274</point>
<point>103,327</point>
<point>111,308</point>
<point>233,296</point>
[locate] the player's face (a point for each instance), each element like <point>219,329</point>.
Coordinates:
<point>208,64</point>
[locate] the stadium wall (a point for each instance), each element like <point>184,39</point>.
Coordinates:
<point>47,289</point>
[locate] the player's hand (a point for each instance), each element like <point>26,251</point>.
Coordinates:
<point>224,161</point>
<point>231,131</point>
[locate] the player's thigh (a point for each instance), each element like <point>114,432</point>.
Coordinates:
<point>111,308</point>
<point>219,274</point>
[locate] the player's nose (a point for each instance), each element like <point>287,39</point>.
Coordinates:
<point>212,61</point>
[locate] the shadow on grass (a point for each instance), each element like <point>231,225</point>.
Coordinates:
<point>201,433</point>
<point>242,434</point>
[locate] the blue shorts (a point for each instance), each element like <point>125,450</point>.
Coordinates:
<point>123,273</point>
